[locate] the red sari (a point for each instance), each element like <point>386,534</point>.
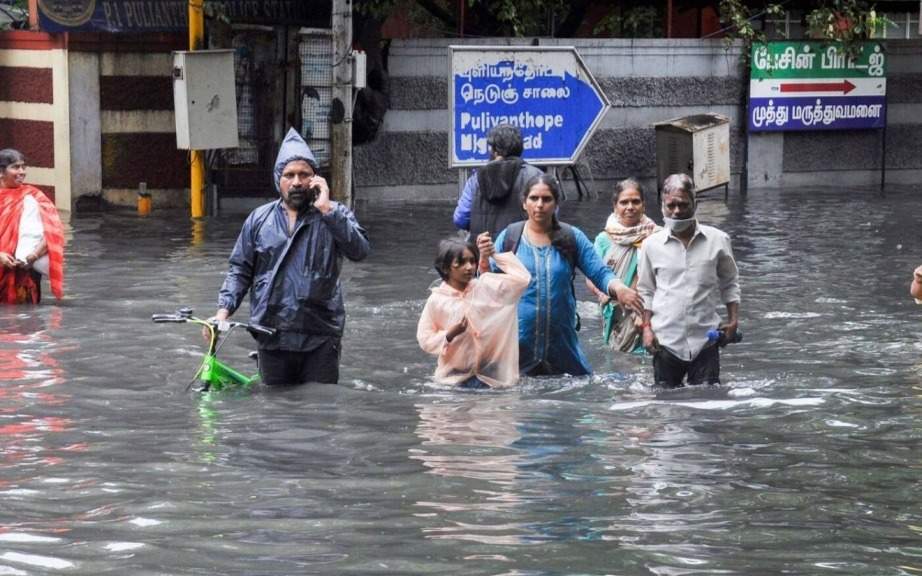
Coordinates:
<point>18,286</point>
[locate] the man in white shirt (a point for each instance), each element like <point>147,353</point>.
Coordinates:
<point>686,272</point>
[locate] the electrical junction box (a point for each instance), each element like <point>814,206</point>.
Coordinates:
<point>205,99</point>
<point>698,146</point>
<point>359,69</point>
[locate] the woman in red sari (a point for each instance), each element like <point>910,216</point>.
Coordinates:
<point>31,236</point>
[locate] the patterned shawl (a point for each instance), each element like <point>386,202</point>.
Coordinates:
<point>622,259</point>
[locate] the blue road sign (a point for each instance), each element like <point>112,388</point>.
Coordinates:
<point>546,91</point>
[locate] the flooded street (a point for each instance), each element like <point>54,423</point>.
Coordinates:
<point>807,460</point>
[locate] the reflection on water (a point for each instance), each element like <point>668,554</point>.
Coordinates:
<point>806,461</point>
<point>473,438</point>
<point>32,397</point>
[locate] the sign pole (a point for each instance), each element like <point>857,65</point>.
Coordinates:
<point>883,150</point>
<point>744,172</point>
<point>196,157</point>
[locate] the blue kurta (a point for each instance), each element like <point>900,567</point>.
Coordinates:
<point>548,342</point>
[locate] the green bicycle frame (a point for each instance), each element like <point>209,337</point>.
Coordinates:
<point>216,375</point>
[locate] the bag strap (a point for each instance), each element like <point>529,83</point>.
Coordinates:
<point>563,239</point>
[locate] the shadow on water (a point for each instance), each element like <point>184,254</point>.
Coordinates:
<point>805,461</point>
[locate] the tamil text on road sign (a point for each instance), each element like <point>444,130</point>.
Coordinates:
<point>814,86</point>
<point>546,91</point>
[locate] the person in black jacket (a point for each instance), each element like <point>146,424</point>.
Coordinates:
<point>492,196</point>
<point>288,256</point>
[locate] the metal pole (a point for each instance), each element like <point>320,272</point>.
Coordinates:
<point>668,18</point>
<point>341,133</point>
<point>196,157</point>
<point>744,115</point>
<point>744,169</point>
<point>883,149</point>
<point>461,18</point>
<point>33,14</point>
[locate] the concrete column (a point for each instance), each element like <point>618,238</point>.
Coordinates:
<point>766,159</point>
<point>85,125</point>
<point>60,74</point>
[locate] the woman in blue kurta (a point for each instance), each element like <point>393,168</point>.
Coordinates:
<point>551,250</point>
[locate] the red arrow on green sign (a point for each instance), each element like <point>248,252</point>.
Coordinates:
<point>845,87</point>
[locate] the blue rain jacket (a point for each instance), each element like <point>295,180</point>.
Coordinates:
<point>293,279</point>
<point>548,341</point>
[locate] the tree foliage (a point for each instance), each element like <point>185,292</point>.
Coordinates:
<point>15,13</point>
<point>845,23</point>
<point>516,18</point>
<point>739,19</point>
<point>632,21</point>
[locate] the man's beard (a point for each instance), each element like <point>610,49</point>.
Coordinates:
<point>297,198</point>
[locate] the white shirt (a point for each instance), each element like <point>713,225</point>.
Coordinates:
<point>684,287</point>
<point>31,232</point>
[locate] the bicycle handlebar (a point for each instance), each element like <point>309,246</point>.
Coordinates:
<point>181,317</point>
<point>167,318</point>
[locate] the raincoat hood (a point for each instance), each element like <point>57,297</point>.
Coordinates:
<point>293,148</point>
<point>497,179</point>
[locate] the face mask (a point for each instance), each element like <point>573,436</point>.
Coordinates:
<point>679,226</point>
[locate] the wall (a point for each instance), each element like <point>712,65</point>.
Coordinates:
<point>123,110</point>
<point>34,116</point>
<point>647,81</point>
<point>138,130</point>
<point>852,158</point>
<point>93,115</point>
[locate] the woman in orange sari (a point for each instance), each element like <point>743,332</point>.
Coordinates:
<point>31,236</point>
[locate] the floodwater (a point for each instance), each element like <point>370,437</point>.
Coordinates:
<point>807,460</point>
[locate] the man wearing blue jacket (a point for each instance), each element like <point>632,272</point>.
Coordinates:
<point>492,196</point>
<point>289,256</point>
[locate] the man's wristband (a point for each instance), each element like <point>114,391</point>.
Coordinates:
<point>644,324</point>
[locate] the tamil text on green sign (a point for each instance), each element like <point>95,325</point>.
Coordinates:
<point>815,86</point>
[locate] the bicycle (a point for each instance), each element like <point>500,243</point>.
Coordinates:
<point>214,374</point>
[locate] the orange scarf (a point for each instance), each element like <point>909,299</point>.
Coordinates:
<point>17,285</point>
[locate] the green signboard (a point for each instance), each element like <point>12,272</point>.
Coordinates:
<point>816,60</point>
<point>816,86</point>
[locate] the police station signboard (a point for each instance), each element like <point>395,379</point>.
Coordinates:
<point>816,86</point>
<point>546,91</point>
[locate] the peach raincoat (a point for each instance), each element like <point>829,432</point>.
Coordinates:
<point>489,348</point>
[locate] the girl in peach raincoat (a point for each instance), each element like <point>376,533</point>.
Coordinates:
<point>471,323</point>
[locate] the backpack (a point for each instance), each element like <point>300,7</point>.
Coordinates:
<point>562,238</point>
